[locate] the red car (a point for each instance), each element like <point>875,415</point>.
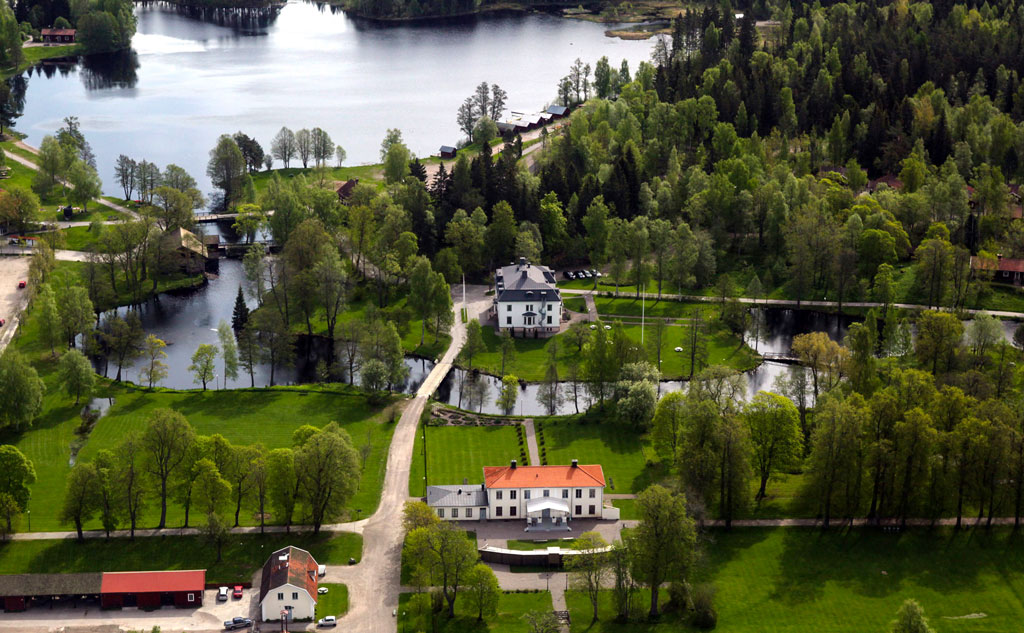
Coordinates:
<point>22,284</point>
<point>237,593</point>
<point>2,321</point>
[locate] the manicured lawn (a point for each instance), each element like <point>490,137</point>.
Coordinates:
<point>622,453</point>
<point>576,304</point>
<point>268,416</point>
<point>622,306</point>
<point>789,580</point>
<point>242,555</point>
<point>527,546</point>
<point>334,602</point>
<point>455,453</point>
<point>627,509</point>
<point>531,357</point>
<point>723,347</point>
<point>414,614</point>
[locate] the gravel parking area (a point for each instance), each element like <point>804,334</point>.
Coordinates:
<point>12,300</point>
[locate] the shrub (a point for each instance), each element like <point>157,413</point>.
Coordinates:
<point>704,614</point>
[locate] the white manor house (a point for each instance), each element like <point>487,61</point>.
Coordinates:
<point>545,497</point>
<point>526,300</point>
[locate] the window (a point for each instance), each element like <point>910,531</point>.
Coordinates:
<point>509,308</point>
<point>547,493</point>
<point>440,512</point>
<point>295,595</point>
<point>508,320</point>
<point>191,597</point>
<point>455,513</point>
<point>579,493</point>
<point>511,494</point>
<point>497,494</point>
<point>579,509</point>
<point>565,493</point>
<point>593,493</point>
<point>280,596</point>
<point>512,511</point>
<point>591,511</point>
<point>469,513</point>
<point>526,494</point>
<point>497,511</point>
<point>549,319</point>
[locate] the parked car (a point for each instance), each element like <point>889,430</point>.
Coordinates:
<point>586,274</point>
<point>237,622</point>
<point>595,273</point>
<point>567,274</point>
<point>22,284</point>
<point>2,322</point>
<point>237,593</point>
<point>329,620</point>
<point>222,594</point>
<point>321,570</point>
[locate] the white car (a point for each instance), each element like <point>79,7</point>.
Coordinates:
<point>222,594</point>
<point>329,620</point>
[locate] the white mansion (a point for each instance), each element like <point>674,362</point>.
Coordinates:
<point>546,497</point>
<point>526,300</point>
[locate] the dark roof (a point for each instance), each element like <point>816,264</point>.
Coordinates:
<point>154,581</point>
<point>557,110</point>
<point>57,32</point>
<point>344,190</point>
<point>51,584</point>
<point>289,566</point>
<point>525,281</point>
<point>447,148</point>
<point>461,496</point>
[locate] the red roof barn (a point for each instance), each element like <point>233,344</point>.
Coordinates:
<point>152,589</point>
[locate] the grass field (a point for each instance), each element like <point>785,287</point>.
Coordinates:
<point>622,454</point>
<point>627,509</point>
<point>334,602</point>
<point>576,304</point>
<point>414,614</point>
<point>788,580</point>
<point>245,416</point>
<point>531,357</point>
<point>455,453</point>
<point>242,555</point>
<point>528,546</point>
<point>368,174</point>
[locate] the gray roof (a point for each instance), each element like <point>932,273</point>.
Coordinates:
<point>557,110</point>
<point>51,584</point>
<point>525,281</point>
<point>456,496</point>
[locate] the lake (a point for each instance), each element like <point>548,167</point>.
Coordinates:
<point>188,81</point>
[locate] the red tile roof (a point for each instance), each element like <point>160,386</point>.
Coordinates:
<point>588,475</point>
<point>289,566</point>
<point>153,581</point>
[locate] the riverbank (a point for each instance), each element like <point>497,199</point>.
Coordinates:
<point>36,54</point>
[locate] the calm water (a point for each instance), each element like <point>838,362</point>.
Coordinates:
<point>188,81</point>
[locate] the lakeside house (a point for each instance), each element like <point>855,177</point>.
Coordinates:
<point>58,37</point>
<point>547,498</point>
<point>557,111</point>
<point>186,250</point>
<point>288,585</point>
<point>526,300</point>
<point>1007,270</point>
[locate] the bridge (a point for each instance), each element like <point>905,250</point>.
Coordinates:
<point>223,217</point>
<point>781,357</point>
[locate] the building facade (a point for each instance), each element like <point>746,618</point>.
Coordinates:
<point>526,300</point>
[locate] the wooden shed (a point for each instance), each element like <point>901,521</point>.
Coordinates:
<point>447,151</point>
<point>153,589</point>
<point>54,37</point>
<point>19,591</point>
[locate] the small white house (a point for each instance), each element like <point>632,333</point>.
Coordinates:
<point>545,497</point>
<point>526,300</point>
<point>288,584</point>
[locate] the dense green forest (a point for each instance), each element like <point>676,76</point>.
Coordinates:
<point>102,25</point>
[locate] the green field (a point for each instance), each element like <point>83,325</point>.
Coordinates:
<point>575,303</point>
<point>622,454</point>
<point>414,614</point>
<point>242,555</point>
<point>370,174</point>
<point>529,546</point>
<point>242,416</point>
<point>531,357</point>
<point>455,453</point>
<point>334,602</point>
<point>790,580</point>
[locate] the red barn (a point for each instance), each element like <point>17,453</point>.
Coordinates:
<point>58,36</point>
<point>152,589</point>
<point>19,591</point>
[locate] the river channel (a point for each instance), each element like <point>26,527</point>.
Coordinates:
<point>187,81</point>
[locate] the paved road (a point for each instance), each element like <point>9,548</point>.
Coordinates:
<point>1006,314</point>
<point>531,442</point>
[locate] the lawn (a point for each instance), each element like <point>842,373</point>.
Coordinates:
<point>531,357</point>
<point>622,454</point>
<point>369,174</point>
<point>790,580</point>
<point>653,308</point>
<point>627,509</point>
<point>574,303</point>
<point>529,546</point>
<point>414,614</point>
<point>455,453</point>
<point>242,555</point>
<point>268,416</point>
<point>334,602</point>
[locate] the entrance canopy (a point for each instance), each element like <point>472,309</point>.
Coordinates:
<point>547,506</point>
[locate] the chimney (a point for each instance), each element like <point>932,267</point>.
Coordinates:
<point>513,465</point>
<point>575,463</point>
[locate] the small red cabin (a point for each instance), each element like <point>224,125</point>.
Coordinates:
<point>53,37</point>
<point>153,589</point>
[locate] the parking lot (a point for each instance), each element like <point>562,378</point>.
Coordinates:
<point>91,619</point>
<point>12,300</point>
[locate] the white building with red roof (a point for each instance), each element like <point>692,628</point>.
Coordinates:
<point>545,497</point>
<point>288,584</point>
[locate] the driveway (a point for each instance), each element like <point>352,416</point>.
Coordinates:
<point>12,300</point>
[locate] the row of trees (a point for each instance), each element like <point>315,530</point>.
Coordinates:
<point>485,105</point>
<point>167,462</point>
